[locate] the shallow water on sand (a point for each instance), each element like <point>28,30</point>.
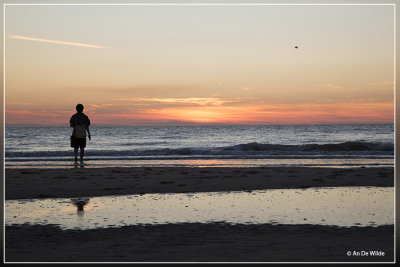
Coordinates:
<point>341,206</point>
<point>269,162</point>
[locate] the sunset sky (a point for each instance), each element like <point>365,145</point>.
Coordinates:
<point>199,64</point>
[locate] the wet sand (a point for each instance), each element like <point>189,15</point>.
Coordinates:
<point>90,182</point>
<point>192,242</point>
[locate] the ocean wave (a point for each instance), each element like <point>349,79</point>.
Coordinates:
<point>346,146</point>
<point>249,150</point>
<point>142,144</point>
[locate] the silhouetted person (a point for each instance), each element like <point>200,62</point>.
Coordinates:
<point>80,122</point>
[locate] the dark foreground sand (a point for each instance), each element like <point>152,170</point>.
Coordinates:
<point>191,242</point>
<point>215,242</point>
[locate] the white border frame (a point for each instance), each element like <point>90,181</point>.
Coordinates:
<point>198,4</point>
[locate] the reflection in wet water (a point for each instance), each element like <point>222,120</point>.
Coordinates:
<point>342,206</point>
<point>80,202</point>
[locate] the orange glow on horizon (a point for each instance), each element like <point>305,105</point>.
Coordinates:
<point>243,114</point>
<point>280,114</point>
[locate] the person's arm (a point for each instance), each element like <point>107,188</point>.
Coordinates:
<point>87,129</point>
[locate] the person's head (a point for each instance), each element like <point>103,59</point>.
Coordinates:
<point>79,108</point>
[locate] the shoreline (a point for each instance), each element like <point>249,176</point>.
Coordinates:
<point>29,183</point>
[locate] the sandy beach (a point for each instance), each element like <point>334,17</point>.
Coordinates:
<point>89,182</point>
<point>199,243</point>
<point>192,242</point>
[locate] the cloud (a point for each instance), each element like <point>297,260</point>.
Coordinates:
<point>328,85</point>
<point>279,113</point>
<point>20,103</point>
<point>201,101</point>
<point>58,42</point>
<point>380,84</point>
<point>40,117</point>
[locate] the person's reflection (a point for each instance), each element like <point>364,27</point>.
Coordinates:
<point>80,203</point>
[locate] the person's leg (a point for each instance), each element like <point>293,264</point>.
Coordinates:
<point>82,152</point>
<point>76,153</point>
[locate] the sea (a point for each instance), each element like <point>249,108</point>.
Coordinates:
<point>333,146</point>
<point>336,145</point>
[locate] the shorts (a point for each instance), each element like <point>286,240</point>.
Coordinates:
<point>78,142</point>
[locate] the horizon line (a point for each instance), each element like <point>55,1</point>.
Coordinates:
<point>197,124</point>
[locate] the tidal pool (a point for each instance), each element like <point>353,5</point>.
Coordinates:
<point>340,206</point>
